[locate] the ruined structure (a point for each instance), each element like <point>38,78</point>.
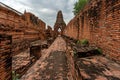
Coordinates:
<point>59,24</point>
<point>5,57</point>
<point>23,29</point>
<point>99,22</point>
<point>49,35</point>
<point>49,32</point>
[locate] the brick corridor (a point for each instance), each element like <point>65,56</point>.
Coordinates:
<point>52,65</point>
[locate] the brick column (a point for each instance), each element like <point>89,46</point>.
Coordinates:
<point>5,57</point>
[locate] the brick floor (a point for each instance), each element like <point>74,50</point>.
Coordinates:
<point>52,65</point>
<point>98,68</point>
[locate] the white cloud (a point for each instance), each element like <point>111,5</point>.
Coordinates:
<point>47,10</point>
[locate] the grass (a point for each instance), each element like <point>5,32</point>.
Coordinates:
<point>99,50</point>
<point>15,76</point>
<point>83,42</point>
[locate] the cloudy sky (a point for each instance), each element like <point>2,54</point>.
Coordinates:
<point>44,9</point>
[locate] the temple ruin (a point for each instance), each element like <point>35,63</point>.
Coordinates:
<point>87,48</point>
<point>59,24</point>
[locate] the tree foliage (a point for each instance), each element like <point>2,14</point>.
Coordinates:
<point>78,6</point>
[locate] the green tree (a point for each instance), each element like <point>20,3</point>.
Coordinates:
<point>78,6</point>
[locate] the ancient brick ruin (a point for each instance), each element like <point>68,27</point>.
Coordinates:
<point>23,29</point>
<point>99,22</point>
<point>36,52</point>
<point>59,24</point>
<point>5,57</point>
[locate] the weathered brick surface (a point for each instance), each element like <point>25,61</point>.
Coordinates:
<point>99,22</point>
<point>59,24</point>
<point>35,51</point>
<point>5,57</point>
<point>71,63</point>
<point>23,28</point>
<point>49,32</point>
<point>49,35</point>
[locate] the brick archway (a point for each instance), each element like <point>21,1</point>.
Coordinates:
<point>60,24</point>
<point>59,30</point>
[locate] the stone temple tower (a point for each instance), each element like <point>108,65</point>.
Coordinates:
<point>59,24</point>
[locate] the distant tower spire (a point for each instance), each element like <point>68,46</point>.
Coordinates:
<point>25,11</point>
<point>59,24</point>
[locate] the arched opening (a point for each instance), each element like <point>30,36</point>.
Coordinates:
<point>59,31</point>
<point>59,25</point>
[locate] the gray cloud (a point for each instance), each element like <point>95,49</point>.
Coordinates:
<point>44,9</point>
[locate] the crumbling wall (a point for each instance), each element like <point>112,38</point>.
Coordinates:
<point>49,32</point>
<point>99,22</point>
<point>24,28</point>
<point>5,57</point>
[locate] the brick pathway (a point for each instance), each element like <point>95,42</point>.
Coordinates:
<point>52,65</point>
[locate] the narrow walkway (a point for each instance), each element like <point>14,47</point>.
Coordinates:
<point>52,65</point>
<point>55,67</point>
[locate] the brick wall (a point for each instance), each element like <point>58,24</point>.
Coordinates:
<point>99,22</point>
<point>24,28</point>
<point>5,57</point>
<point>49,32</point>
<point>72,29</point>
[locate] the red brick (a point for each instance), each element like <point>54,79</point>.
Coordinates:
<point>106,33</point>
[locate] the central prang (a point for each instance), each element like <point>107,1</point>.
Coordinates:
<point>59,24</point>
